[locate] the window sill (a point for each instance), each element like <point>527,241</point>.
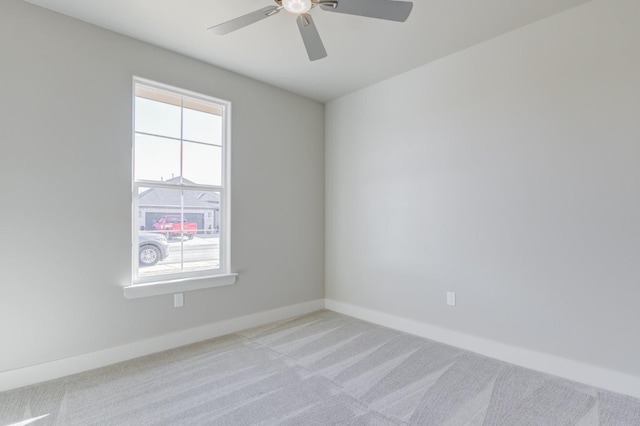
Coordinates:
<point>137,291</point>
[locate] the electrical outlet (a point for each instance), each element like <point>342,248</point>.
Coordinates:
<point>178,300</point>
<point>451,298</point>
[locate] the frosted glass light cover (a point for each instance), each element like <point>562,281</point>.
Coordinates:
<point>297,6</point>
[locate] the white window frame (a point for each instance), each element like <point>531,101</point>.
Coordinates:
<point>184,281</point>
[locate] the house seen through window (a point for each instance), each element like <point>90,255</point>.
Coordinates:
<point>179,184</point>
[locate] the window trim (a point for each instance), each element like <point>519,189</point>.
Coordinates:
<point>184,281</point>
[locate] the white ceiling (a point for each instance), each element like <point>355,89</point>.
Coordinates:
<point>362,51</point>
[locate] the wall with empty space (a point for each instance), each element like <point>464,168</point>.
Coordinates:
<point>65,168</point>
<point>509,173</point>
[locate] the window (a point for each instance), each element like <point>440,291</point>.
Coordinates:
<point>180,186</point>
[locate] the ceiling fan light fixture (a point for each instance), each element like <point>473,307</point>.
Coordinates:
<point>390,10</point>
<point>297,6</point>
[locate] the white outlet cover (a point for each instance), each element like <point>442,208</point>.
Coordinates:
<point>178,300</point>
<point>451,298</point>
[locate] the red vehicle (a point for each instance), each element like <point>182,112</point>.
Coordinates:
<point>171,226</point>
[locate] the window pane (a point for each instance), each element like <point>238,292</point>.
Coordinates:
<point>179,231</point>
<point>202,249</point>
<point>202,127</point>
<point>156,158</point>
<point>202,163</point>
<point>157,118</point>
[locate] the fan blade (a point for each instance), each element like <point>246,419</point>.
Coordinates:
<point>382,9</point>
<point>244,20</point>
<point>311,38</point>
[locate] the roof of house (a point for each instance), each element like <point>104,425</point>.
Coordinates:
<point>173,197</point>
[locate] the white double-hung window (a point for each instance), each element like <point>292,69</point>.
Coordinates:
<point>180,190</point>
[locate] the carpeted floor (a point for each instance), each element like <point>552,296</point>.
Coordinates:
<point>319,369</point>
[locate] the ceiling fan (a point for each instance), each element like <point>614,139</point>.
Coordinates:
<point>382,9</point>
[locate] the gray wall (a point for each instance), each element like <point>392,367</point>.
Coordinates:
<point>65,165</point>
<point>508,173</point>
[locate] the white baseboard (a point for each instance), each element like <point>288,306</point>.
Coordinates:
<point>14,379</point>
<point>546,363</point>
<point>573,370</point>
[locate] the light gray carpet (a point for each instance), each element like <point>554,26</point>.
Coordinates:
<point>319,369</point>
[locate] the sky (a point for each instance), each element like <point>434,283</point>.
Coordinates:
<point>158,157</point>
